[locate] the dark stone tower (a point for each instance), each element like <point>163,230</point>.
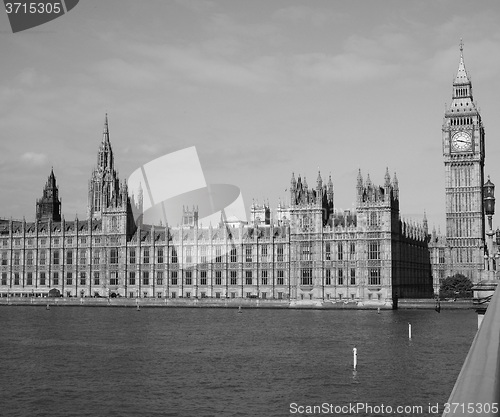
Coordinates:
<point>49,206</point>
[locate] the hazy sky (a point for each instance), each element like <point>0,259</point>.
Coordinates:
<point>261,88</point>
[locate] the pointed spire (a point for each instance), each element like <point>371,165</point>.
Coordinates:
<point>105,134</point>
<point>462,77</point>
<point>360,178</point>
<point>395,185</point>
<point>387,177</point>
<point>425,224</point>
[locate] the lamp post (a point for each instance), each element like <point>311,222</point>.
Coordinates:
<point>484,289</point>
<point>489,211</point>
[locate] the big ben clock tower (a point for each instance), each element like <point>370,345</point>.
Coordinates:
<point>463,151</point>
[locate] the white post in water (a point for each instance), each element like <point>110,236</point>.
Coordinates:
<point>409,330</point>
<point>355,355</point>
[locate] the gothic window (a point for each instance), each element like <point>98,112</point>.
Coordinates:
<point>83,257</point>
<point>353,276</point>
<point>131,278</point>
<point>218,254</point>
<point>69,278</point>
<point>96,278</point>
<point>83,278</point>
<point>42,278</point>
<point>159,278</point>
<point>263,251</point>
<point>146,256</point>
<point>55,258</point>
<point>189,255</point>
<point>341,277</point>
<point>96,256</point>
<point>373,219</point>
<point>69,257</point>
<point>264,277</point>
<point>248,277</point>
<point>374,250</point>
<point>29,258</point>
<point>233,255</point>
<point>374,277</point>
<point>4,258</point>
<point>281,277</point>
<point>441,256</point>
<point>248,253</point>
<point>328,277</point>
<point>113,278</point>
<point>218,277</point>
<point>203,254</point>
<point>340,251</point>
<point>145,277</point>
<point>203,278</point>
<point>113,256</point>
<point>234,279</point>
<point>114,222</point>
<point>306,251</point>
<point>160,255</point>
<point>352,249</point>
<point>327,251</point>
<point>174,255</point>
<point>306,276</point>
<point>189,278</point>
<point>279,252</point>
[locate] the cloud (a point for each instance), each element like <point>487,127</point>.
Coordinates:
<point>33,158</point>
<point>345,67</point>
<point>299,14</point>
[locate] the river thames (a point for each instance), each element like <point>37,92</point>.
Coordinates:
<point>109,361</point>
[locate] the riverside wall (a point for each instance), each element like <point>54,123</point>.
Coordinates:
<point>229,303</point>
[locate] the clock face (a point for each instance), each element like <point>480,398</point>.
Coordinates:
<point>461,141</point>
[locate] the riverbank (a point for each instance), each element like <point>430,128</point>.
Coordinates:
<point>231,303</point>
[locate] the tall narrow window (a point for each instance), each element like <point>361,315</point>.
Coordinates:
<point>327,251</point>
<point>306,276</point>
<point>113,255</point>
<point>279,252</point>
<point>233,257</point>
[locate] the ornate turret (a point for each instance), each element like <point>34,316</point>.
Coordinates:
<point>104,185</point>
<point>49,206</point>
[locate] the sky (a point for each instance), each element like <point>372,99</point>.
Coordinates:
<point>261,88</point>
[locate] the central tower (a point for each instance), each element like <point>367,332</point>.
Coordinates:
<point>463,151</point>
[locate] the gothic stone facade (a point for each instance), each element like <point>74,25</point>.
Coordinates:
<point>308,252</point>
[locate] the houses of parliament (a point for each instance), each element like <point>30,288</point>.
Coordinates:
<point>306,251</point>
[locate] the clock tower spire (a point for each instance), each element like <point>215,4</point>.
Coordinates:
<point>463,152</point>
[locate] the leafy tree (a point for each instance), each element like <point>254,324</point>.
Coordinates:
<point>455,286</point>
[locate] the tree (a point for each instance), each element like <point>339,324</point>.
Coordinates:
<point>455,286</point>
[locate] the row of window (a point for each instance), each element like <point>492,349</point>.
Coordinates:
<point>305,254</point>
<point>306,278</point>
<point>56,241</point>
